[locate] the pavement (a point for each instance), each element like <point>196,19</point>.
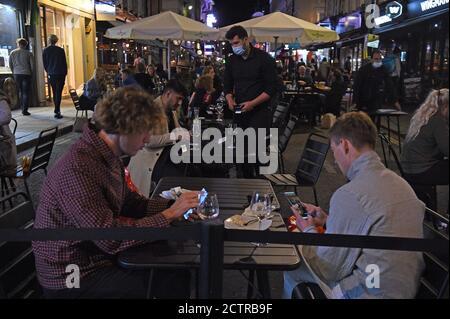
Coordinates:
<point>41,118</point>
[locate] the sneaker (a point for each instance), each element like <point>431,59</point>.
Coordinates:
<point>58,116</point>
<point>26,113</point>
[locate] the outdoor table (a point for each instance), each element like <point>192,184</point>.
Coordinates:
<point>232,195</point>
<point>388,113</point>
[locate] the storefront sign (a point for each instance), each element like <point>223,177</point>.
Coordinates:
<point>392,11</point>
<point>418,8</point>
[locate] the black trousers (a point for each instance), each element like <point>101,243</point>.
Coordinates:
<point>24,87</point>
<point>57,84</point>
<point>114,282</point>
<point>261,117</point>
<point>436,175</point>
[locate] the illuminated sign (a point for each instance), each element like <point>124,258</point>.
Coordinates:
<point>432,4</point>
<point>211,20</point>
<point>393,10</point>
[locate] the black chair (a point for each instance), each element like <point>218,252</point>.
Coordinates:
<point>309,167</point>
<point>40,159</point>
<point>17,266</point>
<point>76,103</point>
<point>284,139</point>
<point>280,115</point>
<point>14,128</point>
<point>308,105</point>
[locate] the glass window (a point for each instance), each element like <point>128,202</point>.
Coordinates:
<point>10,26</point>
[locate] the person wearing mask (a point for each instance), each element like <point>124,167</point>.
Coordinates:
<point>93,90</point>
<point>55,65</point>
<point>358,208</point>
<point>86,188</point>
<point>249,81</point>
<point>426,148</point>
<point>373,86</point>
<point>153,162</point>
<point>8,150</point>
<point>143,79</point>
<point>21,65</point>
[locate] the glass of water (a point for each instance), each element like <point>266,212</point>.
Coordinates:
<point>209,208</point>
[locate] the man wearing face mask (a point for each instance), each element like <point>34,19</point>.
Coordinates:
<point>373,88</point>
<point>153,162</point>
<point>250,82</point>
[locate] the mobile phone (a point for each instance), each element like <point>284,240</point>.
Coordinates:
<point>293,200</point>
<point>201,199</point>
<point>238,109</point>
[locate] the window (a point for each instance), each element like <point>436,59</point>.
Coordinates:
<point>10,26</point>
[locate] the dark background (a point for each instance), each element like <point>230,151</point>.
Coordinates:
<point>233,11</point>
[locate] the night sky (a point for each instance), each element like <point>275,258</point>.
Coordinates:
<point>232,11</point>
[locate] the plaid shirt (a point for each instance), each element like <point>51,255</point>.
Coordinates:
<point>85,189</point>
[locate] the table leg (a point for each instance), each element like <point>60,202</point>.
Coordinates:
<point>263,283</point>
<point>399,135</point>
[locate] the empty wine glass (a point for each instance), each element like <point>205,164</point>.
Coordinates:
<point>261,205</point>
<point>219,109</point>
<point>209,208</point>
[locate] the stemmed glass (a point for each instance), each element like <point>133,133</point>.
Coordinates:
<point>219,109</point>
<point>209,208</point>
<point>261,205</point>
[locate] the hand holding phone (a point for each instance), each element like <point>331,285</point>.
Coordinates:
<point>294,200</point>
<point>238,109</point>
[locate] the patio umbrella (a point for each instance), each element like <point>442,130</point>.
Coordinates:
<point>282,27</point>
<point>164,26</point>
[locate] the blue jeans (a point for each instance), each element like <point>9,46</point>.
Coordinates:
<point>23,82</point>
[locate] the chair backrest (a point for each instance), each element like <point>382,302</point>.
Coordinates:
<point>287,133</point>
<point>43,149</point>
<point>75,98</point>
<point>434,280</point>
<point>313,158</point>
<point>14,126</point>
<point>17,266</point>
<point>280,114</point>
<point>385,143</point>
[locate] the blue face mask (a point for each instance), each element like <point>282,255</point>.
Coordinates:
<point>239,50</point>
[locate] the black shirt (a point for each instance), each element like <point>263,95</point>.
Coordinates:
<point>54,59</point>
<point>145,81</point>
<point>251,77</point>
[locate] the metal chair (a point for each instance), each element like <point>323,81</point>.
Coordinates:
<point>280,114</point>
<point>76,103</point>
<point>309,167</point>
<point>284,139</point>
<point>40,159</point>
<point>17,267</point>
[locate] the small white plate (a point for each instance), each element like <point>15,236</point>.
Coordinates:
<point>263,225</point>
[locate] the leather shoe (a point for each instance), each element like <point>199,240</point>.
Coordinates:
<point>58,116</point>
<point>26,113</point>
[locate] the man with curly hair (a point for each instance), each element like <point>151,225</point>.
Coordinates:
<point>86,189</point>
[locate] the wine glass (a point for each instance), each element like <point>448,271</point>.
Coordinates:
<point>219,109</point>
<point>261,205</point>
<point>209,208</point>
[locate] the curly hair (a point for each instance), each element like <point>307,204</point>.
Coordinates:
<point>129,110</point>
<point>434,103</point>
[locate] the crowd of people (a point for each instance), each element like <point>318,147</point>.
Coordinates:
<point>134,126</point>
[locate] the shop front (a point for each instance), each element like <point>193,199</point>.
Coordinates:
<point>74,24</point>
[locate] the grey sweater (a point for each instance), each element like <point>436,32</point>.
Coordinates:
<point>21,62</point>
<point>376,202</point>
<point>428,148</point>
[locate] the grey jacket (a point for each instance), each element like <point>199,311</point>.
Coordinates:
<point>376,202</point>
<point>8,150</point>
<point>428,148</point>
<point>21,62</point>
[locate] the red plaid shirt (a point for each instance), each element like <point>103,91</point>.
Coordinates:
<point>85,189</point>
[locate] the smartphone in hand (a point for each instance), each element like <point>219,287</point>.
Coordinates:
<point>294,200</point>
<point>238,109</point>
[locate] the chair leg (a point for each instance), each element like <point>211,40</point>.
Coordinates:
<point>315,196</point>
<point>384,154</point>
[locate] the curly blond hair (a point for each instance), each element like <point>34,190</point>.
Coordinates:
<point>436,101</point>
<point>129,110</point>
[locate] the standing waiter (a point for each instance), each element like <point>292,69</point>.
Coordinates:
<point>249,81</point>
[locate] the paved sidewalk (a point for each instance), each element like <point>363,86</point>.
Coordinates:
<point>41,118</point>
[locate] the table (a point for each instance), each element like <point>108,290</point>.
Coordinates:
<point>388,113</point>
<point>238,256</point>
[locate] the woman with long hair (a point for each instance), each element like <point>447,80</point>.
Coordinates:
<point>425,153</point>
<point>93,90</point>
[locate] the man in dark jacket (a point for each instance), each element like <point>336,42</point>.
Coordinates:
<point>373,86</point>
<point>56,67</point>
